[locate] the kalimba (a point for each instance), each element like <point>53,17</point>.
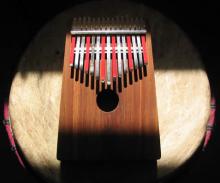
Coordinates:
<point>108,103</point>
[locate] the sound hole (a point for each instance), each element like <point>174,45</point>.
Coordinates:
<point>107,100</point>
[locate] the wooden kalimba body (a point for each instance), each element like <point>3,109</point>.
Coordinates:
<point>108,103</point>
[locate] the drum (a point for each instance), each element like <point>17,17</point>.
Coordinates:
<point>182,89</point>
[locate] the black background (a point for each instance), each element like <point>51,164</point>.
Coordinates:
<point>21,20</point>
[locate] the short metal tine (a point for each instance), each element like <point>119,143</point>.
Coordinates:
<point>134,49</point>
<point>76,61</point>
<point>139,51</point>
<point>97,61</point>
<point>91,68</point>
<point>119,56</point>
<point>125,60</point>
<point>108,49</point>
<point>82,52</point>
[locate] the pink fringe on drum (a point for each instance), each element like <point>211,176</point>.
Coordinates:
<point>210,123</point>
<point>7,124</point>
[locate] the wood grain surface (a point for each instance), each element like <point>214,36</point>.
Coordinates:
<point>182,90</point>
<point>88,133</point>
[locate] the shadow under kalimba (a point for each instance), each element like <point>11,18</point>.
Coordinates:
<point>109,172</point>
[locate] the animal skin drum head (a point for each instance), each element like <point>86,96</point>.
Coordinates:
<point>182,90</point>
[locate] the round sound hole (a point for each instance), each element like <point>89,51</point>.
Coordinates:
<point>107,100</point>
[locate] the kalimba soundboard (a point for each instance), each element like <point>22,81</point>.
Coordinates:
<point>108,102</point>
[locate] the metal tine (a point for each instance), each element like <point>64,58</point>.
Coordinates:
<point>117,23</point>
<point>141,25</point>
<point>74,23</point>
<point>99,26</point>
<point>83,23</point>
<point>97,62</point>
<point>79,23</point>
<point>108,47</point>
<point>127,23</point>
<point>93,23</point>
<point>125,60</point>
<point>136,22</point>
<point>76,61</point>
<point>134,48</point>
<point>139,51</point>
<point>142,22</point>
<point>123,23</point>
<point>103,23</point>
<point>82,46</point>
<point>119,56</point>
<point>89,23</point>
<point>110,23</point>
<point>113,24</point>
<point>132,23</point>
<point>120,26</point>
<point>86,23</point>
<point>98,23</point>
<point>138,25</point>
<point>76,27</point>
<point>107,24</point>
<point>91,68</point>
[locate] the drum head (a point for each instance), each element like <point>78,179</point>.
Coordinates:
<point>182,89</point>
